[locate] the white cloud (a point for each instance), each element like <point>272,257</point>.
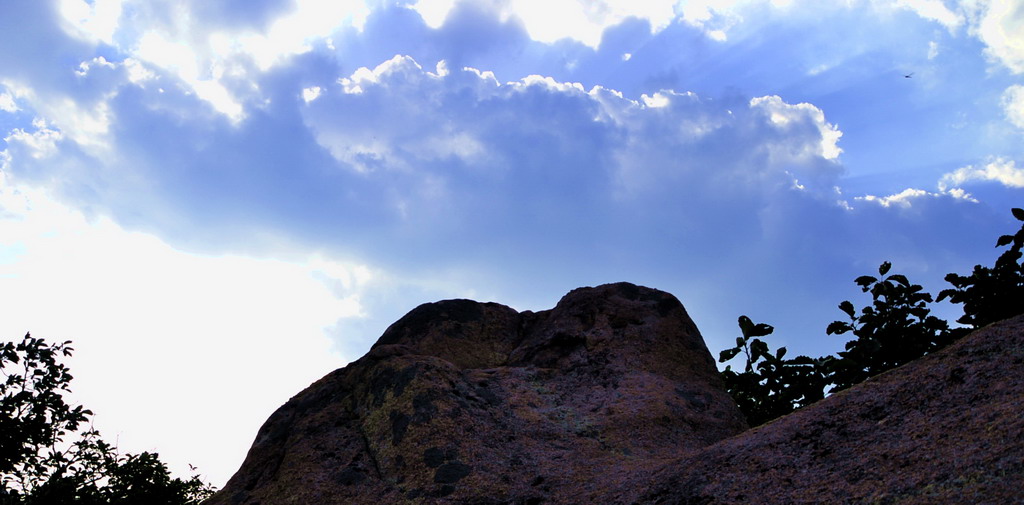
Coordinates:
<point>409,118</point>
<point>95,20</point>
<point>39,143</point>
<point>905,199</point>
<point>180,59</point>
<point>204,47</point>
<point>310,94</point>
<point>7,103</point>
<point>902,199</point>
<point>176,56</point>
<point>934,10</point>
<point>1000,25</point>
<point>655,101</point>
<point>62,117</point>
<point>1013,105</point>
<point>369,148</point>
<point>293,33</point>
<point>98,62</point>
<point>552,20</point>
<point>1001,170</point>
<point>785,115</point>
<point>434,12</point>
<point>137,71</point>
<point>220,98</point>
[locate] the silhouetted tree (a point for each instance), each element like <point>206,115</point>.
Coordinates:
<point>47,456</point>
<point>996,293</point>
<point>895,329</point>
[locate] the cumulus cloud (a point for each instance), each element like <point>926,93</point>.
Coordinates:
<point>444,138</point>
<point>951,185</point>
<point>1000,25</point>
<point>397,158</point>
<point>1001,170</point>
<point>905,199</point>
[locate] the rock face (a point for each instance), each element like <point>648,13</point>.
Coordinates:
<point>467,402</point>
<point>947,428</point>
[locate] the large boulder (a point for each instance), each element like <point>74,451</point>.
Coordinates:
<point>467,402</point>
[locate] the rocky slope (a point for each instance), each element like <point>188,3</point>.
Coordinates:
<point>947,428</point>
<point>612,397</point>
<point>467,402</point>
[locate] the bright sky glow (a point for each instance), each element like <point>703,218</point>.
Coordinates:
<point>95,20</point>
<point>220,202</point>
<point>176,317</point>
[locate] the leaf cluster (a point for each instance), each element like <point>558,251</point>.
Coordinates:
<point>895,329</point>
<point>994,293</point>
<point>50,455</point>
<point>769,385</point>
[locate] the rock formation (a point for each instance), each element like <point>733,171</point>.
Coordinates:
<point>612,398</point>
<point>467,402</point>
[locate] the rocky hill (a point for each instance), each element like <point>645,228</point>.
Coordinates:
<point>613,397</point>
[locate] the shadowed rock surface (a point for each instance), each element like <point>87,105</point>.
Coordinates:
<point>467,402</point>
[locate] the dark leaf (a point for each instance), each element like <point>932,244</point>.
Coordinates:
<point>728,354</point>
<point>884,267</point>
<point>763,329</point>
<point>746,326</point>
<point>1018,213</point>
<point>758,348</point>
<point>847,307</point>
<point>1003,240</point>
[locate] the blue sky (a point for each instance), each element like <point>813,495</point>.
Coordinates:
<point>220,202</point>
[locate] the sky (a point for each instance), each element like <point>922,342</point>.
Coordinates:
<point>220,202</point>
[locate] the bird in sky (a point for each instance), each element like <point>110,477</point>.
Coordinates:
<point>907,76</point>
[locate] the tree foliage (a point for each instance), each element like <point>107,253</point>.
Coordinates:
<point>996,293</point>
<point>894,329</point>
<point>49,454</point>
<point>769,385</point>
